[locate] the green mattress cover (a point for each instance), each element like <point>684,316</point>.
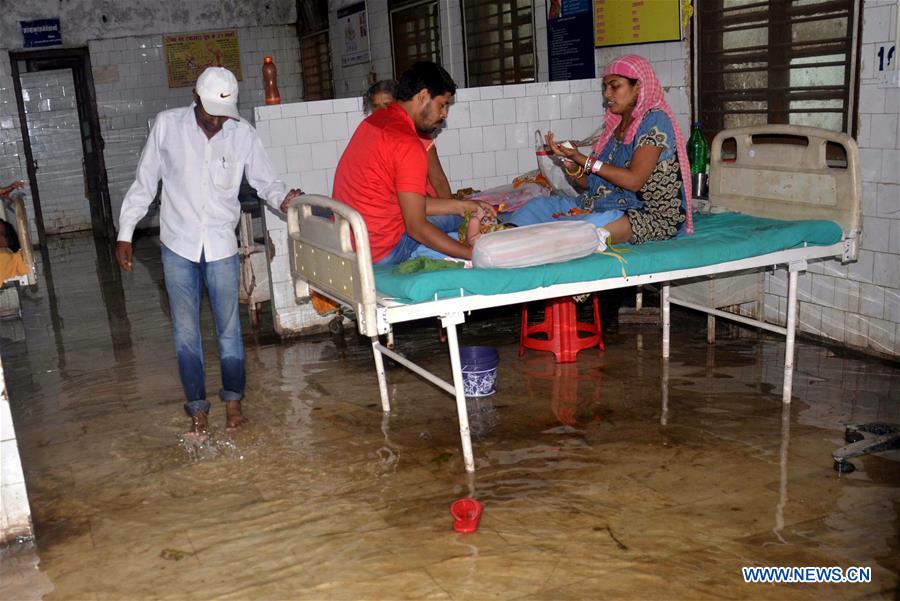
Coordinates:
<point>717,239</point>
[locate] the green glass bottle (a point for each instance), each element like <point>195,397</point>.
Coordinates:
<point>698,150</point>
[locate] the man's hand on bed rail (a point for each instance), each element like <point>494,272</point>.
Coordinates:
<point>291,195</point>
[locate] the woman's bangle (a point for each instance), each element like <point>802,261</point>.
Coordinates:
<point>588,162</point>
<point>576,173</point>
<point>595,167</point>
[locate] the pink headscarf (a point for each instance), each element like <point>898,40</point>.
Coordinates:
<point>650,96</point>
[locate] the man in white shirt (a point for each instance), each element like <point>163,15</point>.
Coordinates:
<point>200,153</point>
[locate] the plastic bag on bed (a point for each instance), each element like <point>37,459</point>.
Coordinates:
<point>552,168</point>
<point>538,244</point>
<point>510,197</point>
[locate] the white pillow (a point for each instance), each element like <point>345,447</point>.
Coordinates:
<point>539,244</point>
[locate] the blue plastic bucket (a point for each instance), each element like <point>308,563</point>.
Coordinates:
<point>479,370</point>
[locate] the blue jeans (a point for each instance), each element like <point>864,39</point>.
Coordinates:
<point>408,247</point>
<point>184,282</point>
<point>542,209</point>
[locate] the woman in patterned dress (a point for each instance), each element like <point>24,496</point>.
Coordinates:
<point>636,182</point>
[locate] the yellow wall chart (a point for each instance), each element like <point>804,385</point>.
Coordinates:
<point>188,54</point>
<point>618,22</point>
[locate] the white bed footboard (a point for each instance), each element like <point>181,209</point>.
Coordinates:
<point>322,254</point>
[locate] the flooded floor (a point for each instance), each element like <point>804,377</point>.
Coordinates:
<point>600,479</point>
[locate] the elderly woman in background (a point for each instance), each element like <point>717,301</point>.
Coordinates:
<point>380,95</point>
<point>636,182</point>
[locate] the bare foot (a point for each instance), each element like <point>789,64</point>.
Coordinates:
<point>473,231</point>
<point>199,422</point>
<point>234,417</point>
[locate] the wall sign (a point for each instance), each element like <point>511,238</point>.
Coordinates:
<point>188,54</point>
<point>618,22</point>
<point>570,39</point>
<point>353,28</point>
<point>41,33</point>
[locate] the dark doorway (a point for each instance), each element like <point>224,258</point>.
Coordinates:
<point>67,65</point>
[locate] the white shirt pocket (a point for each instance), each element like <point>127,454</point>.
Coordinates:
<point>227,174</point>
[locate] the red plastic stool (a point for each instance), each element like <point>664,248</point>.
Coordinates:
<point>561,327</point>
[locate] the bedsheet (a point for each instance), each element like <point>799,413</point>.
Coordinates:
<point>717,238</point>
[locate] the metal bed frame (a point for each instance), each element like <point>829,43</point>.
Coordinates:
<point>776,171</point>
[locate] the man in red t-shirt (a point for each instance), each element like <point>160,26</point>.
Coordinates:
<point>383,171</point>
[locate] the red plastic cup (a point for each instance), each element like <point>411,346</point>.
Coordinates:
<point>466,513</point>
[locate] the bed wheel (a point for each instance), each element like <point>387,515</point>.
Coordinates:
<point>336,325</point>
<point>844,467</point>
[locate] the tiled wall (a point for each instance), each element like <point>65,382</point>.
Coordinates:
<point>55,135</point>
<point>859,304</point>
<point>15,513</point>
<point>488,141</point>
<point>12,152</point>
<point>131,85</point>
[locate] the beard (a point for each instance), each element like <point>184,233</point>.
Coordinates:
<point>428,121</point>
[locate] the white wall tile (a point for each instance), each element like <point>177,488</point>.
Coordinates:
<point>871,300</point>
<point>467,94</point>
<point>886,271</point>
<point>527,109</point>
<point>314,182</point>
<point>308,129</point>
<point>491,92</point>
<point>514,91</point>
<point>325,155</point>
<point>870,160</point>
<point>334,126</point>
<point>504,111</point>
<point>877,234</point>
<point>592,104</point>
<point>884,131</point>
<point>483,164</point>
<point>536,89</point>
<point>447,142</point>
<point>507,163</point>
<point>548,108</point>
<point>494,137</point>
<point>460,166</point>
<point>459,116</point>
<point>481,112</point>
<point>298,158</point>
<point>570,105</point>
<point>283,132</point>
<point>471,140</point>
<point>519,136</point>
<point>558,87</point>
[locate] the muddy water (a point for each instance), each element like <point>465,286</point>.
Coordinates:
<point>599,479</point>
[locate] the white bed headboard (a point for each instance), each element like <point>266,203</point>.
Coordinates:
<point>788,172</point>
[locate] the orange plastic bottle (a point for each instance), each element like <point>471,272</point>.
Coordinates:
<point>270,81</point>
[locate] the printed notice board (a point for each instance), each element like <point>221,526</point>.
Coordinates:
<point>618,22</point>
<point>354,27</point>
<point>41,33</point>
<point>569,40</point>
<point>188,54</point>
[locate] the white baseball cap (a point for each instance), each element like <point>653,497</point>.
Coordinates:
<point>217,88</point>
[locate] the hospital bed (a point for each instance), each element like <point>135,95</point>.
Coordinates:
<point>762,181</point>
<point>16,269</point>
<point>14,212</point>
